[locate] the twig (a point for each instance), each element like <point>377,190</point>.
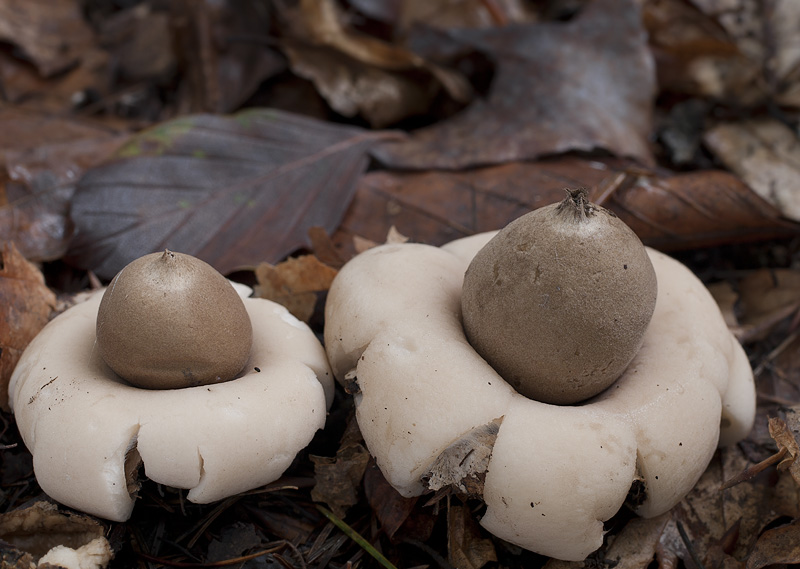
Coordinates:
<point>223,563</point>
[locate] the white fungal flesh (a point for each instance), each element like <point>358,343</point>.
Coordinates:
<point>556,473</point>
<point>80,422</point>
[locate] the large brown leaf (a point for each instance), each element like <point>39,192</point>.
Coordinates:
<point>666,211</point>
<point>581,85</point>
<point>234,191</point>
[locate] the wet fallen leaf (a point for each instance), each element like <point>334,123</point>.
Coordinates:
<point>635,546</point>
<point>448,14</point>
<point>234,541</point>
<point>766,35</point>
<point>43,157</point>
<point>26,305</point>
<point>695,55</point>
<point>360,74</point>
<point>706,515</point>
<point>786,439</point>
<point>225,46</point>
<point>391,509</point>
<point>581,85</point>
<point>61,93</point>
<point>234,191</point>
<point>778,545</point>
<point>467,547</point>
<point>764,298</point>
<point>354,89</point>
<point>339,478</point>
<point>141,40</point>
<point>667,211</point>
<point>765,154</point>
<point>37,189</point>
<point>51,34</point>
<point>41,529</point>
<point>294,283</point>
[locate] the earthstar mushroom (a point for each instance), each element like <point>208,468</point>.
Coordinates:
<point>169,320</point>
<point>558,301</point>
<point>555,473</point>
<point>89,430</point>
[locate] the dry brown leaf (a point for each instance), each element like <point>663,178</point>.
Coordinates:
<point>338,479</point>
<point>223,68</point>
<point>767,35</point>
<point>695,55</point>
<point>467,547</point>
<point>765,153</point>
<point>667,211</point>
<point>727,299</point>
<point>765,298</point>
<point>778,545</point>
<point>391,509</point>
<point>707,515</point>
<point>786,439</point>
<point>360,74</point>
<point>448,14</point>
<point>635,546</point>
<point>746,506</point>
<point>354,89</point>
<point>26,305</point>
<point>53,35</point>
<point>294,283</point>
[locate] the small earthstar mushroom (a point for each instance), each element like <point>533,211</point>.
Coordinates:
<point>90,430</point>
<point>137,333</point>
<point>435,414</point>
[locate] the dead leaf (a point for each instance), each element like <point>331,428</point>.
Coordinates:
<point>449,14</point>
<point>666,211</point>
<point>766,35</point>
<point>763,299</point>
<point>707,514</point>
<point>766,155</point>
<point>786,439</point>
<point>467,547</point>
<point>778,545</point>
<point>41,527</point>
<point>41,168</point>
<point>294,283</point>
<point>225,46</point>
<point>233,542</point>
<point>51,34</point>
<point>359,74</point>
<point>26,303</point>
<point>61,93</point>
<point>353,89</point>
<point>696,56</point>
<point>727,299</point>
<point>635,546</point>
<point>391,509</point>
<point>234,191</point>
<point>581,85</point>
<point>141,41</point>
<point>462,466</point>
<point>339,478</point>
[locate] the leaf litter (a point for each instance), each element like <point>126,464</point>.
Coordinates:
<point>564,96</point>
